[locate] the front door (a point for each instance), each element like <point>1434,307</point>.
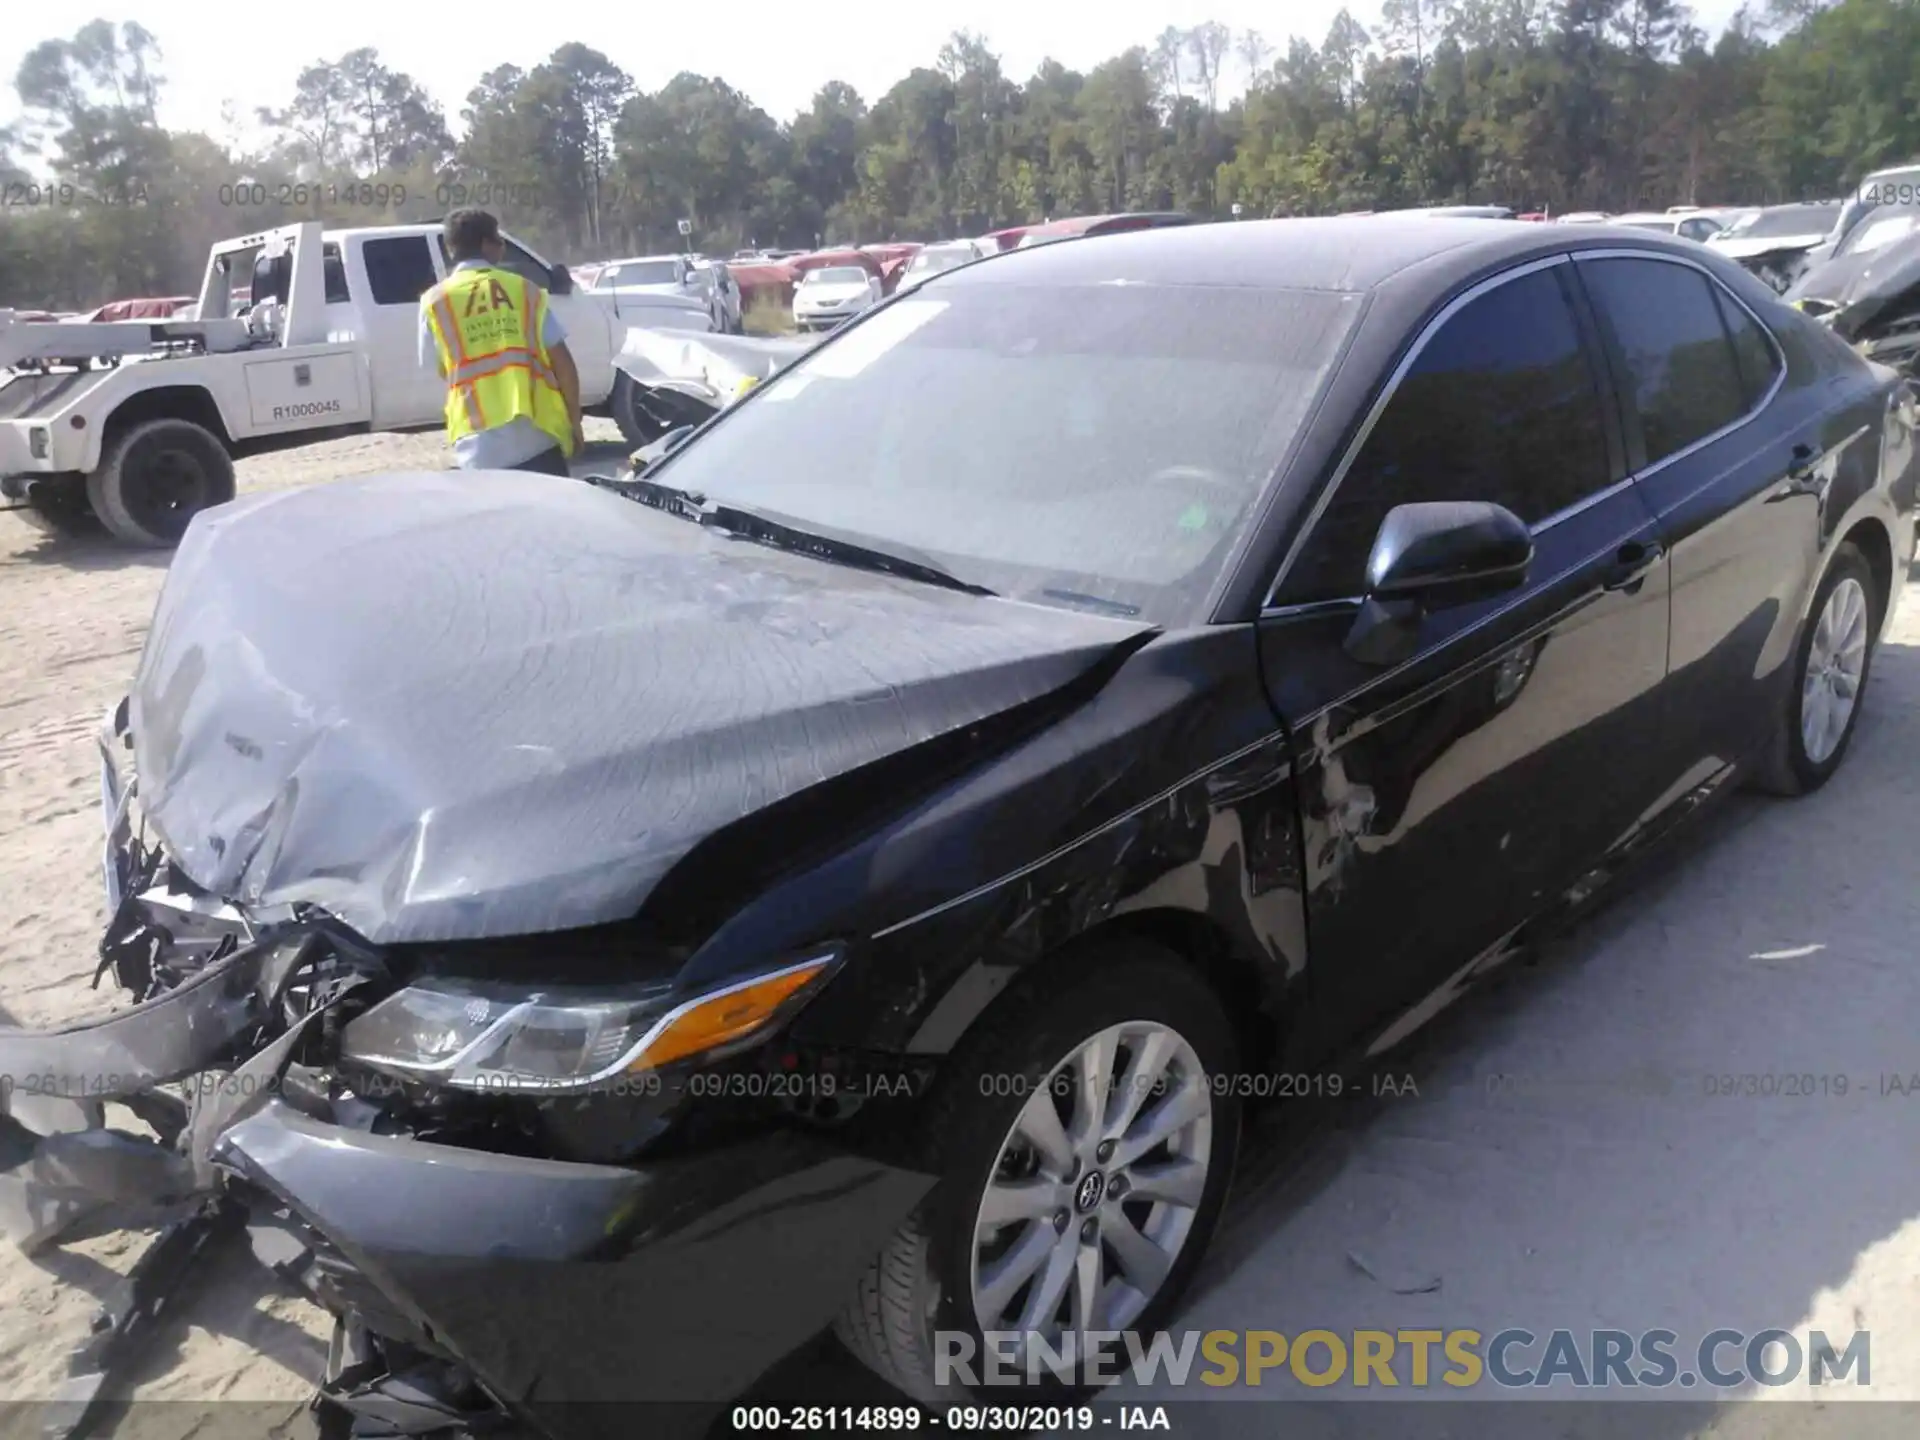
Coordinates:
<point>1447,797</point>
<point>387,275</point>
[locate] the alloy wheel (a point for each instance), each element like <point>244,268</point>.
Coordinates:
<point>1095,1189</point>
<point>1836,665</point>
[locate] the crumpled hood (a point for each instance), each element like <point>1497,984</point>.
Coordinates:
<point>1850,290</point>
<point>713,365</point>
<point>450,706</point>
<point>1752,247</point>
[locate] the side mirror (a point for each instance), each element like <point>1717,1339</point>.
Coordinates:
<point>1429,557</point>
<point>560,280</point>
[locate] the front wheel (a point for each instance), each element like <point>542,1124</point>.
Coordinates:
<point>1831,666</point>
<point>1085,1146</point>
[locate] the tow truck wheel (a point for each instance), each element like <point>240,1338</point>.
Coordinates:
<point>59,507</point>
<point>155,477</point>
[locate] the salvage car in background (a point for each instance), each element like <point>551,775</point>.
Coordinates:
<point>1869,292</point>
<point>832,295</point>
<point>1890,185</point>
<point>1775,242</point>
<point>937,259</point>
<point>1686,225</point>
<point>843,874</point>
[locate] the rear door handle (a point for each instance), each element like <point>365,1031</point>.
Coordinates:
<point>1631,563</point>
<point>1802,478</point>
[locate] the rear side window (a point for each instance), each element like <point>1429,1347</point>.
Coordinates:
<point>336,275</point>
<point>1759,362</point>
<point>1680,370</point>
<point>399,269</point>
<point>1501,405</point>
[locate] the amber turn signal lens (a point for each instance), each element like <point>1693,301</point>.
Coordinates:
<point>720,1019</point>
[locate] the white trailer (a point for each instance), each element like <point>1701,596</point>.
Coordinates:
<point>300,334</point>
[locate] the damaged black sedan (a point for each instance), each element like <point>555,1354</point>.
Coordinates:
<point>847,876</point>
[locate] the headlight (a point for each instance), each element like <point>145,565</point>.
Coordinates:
<point>478,1036</point>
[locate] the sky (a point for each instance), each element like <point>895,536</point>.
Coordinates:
<point>778,54</point>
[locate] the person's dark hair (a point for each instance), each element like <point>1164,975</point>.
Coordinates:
<point>467,232</point>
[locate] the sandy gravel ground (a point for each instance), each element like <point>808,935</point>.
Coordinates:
<point>1609,1191</point>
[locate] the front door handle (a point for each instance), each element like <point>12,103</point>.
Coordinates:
<point>1631,564</point>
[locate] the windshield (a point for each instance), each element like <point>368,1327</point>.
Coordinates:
<point>1784,222</point>
<point>1885,226</point>
<point>837,275</point>
<point>639,272</point>
<point>1890,187</point>
<point>1095,446</point>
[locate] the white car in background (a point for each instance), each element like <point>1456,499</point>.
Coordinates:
<point>685,276</point>
<point>1688,225</point>
<point>833,294</point>
<point>727,304</point>
<point>931,261</point>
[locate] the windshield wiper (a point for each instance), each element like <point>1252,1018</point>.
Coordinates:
<point>1093,602</point>
<point>784,533</point>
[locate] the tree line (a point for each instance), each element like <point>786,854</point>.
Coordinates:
<point>1557,104</point>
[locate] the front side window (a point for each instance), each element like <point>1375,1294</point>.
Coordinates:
<point>1681,374</point>
<point>1093,447</point>
<point>1501,405</point>
<point>399,269</point>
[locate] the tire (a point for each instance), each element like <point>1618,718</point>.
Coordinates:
<point>922,1282</point>
<point>155,476</point>
<point>1792,765</point>
<point>59,508</point>
<point>637,427</point>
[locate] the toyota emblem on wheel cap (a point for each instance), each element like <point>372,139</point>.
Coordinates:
<point>1091,1190</point>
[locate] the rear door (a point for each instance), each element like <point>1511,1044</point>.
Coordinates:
<point>1738,441</point>
<point>1447,798</point>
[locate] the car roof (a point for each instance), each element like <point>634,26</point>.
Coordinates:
<point>1350,253</point>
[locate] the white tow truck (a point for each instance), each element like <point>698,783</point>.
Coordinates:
<point>300,334</point>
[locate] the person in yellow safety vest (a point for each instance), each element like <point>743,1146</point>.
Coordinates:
<point>513,392</point>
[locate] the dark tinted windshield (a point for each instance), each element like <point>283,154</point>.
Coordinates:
<point>1107,441</point>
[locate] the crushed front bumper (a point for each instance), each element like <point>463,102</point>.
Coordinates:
<point>573,1292</point>
<point>465,1283</point>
